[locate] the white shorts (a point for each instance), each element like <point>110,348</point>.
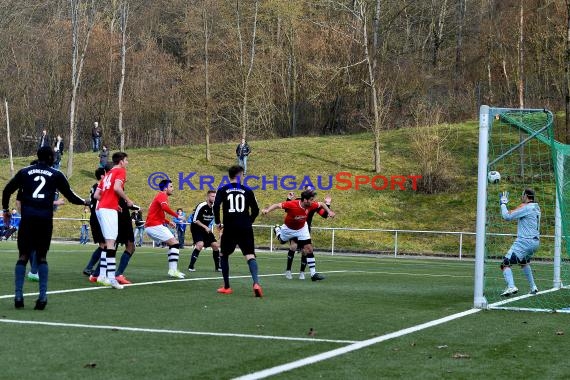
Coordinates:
<point>301,234</point>
<point>109,222</point>
<point>159,233</point>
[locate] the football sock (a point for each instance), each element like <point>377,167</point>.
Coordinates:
<point>290,257</point>
<point>311,263</point>
<point>97,270</point>
<point>125,258</point>
<point>111,263</point>
<point>19,275</point>
<point>225,265</point>
<point>173,256</point>
<point>193,258</point>
<point>43,273</point>
<point>508,275</point>
<point>103,264</point>
<point>303,263</point>
<point>33,263</point>
<point>94,258</point>
<point>252,264</point>
<point>528,273</point>
<point>216,257</point>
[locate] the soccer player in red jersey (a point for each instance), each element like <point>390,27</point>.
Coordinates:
<point>108,192</point>
<point>293,243</point>
<point>156,229</point>
<point>296,226</point>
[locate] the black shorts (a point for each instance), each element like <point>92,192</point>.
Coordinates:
<point>199,234</point>
<point>96,229</point>
<point>237,235</point>
<point>126,232</point>
<point>35,235</point>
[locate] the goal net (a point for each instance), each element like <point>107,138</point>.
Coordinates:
<point>519,144</point>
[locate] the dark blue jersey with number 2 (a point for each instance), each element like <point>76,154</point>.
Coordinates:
<point>38,185</point>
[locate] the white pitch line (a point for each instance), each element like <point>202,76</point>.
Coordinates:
<point>523,296</point>
<point>153,283</point>
<point>138,329</point>
<point>353,347</point>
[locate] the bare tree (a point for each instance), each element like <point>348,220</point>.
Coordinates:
<point>521,55</point>
<point>123,25</point>
<point>376,127</point>
<point>77,65</point>
<point>375,39</point>
<point>247,75</point>
<point>437,29</point>
<point>461,5</point>
<point>207,122</point>
<point>521,80</point>
<point>567,73</point>
<point>9,138</point>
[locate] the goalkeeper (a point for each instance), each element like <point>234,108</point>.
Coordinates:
<point>527,241</point>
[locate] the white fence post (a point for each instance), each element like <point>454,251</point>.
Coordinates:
<point>395,243</point>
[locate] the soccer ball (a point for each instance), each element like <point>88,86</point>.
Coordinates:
<point>494,176</point>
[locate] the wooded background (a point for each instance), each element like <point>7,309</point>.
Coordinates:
<point>215,70</point>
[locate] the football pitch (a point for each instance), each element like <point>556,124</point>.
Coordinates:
<point>371,318</point>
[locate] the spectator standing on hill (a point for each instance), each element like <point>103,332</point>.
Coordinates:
<point>58,150</point>
<point>84,232</point>
<point>242,152</point>
<point>103,157</point>
<point>138,219</point>
<point>180,221</point>
<point>96,134</point>
<point>44,139</point>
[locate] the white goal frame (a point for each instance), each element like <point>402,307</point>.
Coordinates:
<point>486,116</point>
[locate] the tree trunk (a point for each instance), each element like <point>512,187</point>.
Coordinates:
<point>76,70</point>
<point>521,81</point>
<point>375,39</point>
<point>567,73</point>
<point>104,118</point>
<point>521,55</point>
<point>244,114</point>
<point>124,20</point>
<point>461,4</point>
<point>9,139</point>
<point>376,127</point>
<point>206,83</point>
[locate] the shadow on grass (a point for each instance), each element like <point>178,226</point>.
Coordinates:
<point>88,173</point>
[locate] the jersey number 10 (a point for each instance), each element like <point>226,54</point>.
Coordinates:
<point>237,202</point>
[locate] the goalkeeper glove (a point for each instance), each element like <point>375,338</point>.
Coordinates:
<point>504,197</point>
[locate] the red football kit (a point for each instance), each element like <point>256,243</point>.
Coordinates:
<point>109,198</point>
<point>158,207</point>
<point>296,215</point>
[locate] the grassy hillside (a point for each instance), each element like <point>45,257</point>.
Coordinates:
<point>313,157</point>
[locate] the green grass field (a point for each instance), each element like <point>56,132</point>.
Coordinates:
<point>179,329</point>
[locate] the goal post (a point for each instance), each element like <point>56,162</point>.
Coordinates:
<point>520,145</point>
